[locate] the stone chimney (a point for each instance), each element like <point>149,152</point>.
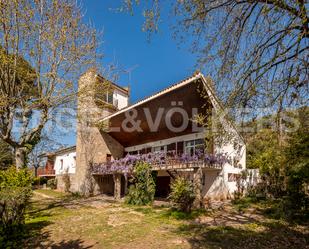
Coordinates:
<point>92,144</point>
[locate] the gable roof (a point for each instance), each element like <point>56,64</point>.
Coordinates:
<point>59,151</point>
<point>184,82</point>
<point>196,76</point>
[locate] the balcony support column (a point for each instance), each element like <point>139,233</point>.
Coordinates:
<point>117,186</point>
<point>125,184</point>
<point>197,183</point>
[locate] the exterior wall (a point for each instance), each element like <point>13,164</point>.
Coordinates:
<point>121,98</point>
<point>68,164</point>
<point>61,185</point>
<point>217,184</point>
<point>92,145</point>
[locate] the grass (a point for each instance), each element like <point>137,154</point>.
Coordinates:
<point>65,221</point>
<point>51,193</point>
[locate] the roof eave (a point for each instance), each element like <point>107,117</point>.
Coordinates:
<point>194,77</point>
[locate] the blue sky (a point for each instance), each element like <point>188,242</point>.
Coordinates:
<point>158,63</point>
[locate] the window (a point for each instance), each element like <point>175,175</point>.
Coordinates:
<point>233,177</point>
<point>159,148</point>
<point>108,158</point>
<point>199,145</point>
<point>179,148</point>
<point>105,97</point>
<point>61,164</point>
<point>192,147</point>
<point>171,149</point>
<point>145,150</point>
<point>110,97</point>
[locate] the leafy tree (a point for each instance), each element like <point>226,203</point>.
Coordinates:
<point>257,50</point>
<point>297,162</point>
<point>284,167</point>
<point>44,47</point>
<point>143,189</point>
<point>265,153</point>
<point>6,155</point>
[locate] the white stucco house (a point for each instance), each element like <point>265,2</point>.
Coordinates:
<point>58,163</point>
<point>164,124</point>
<point>65,161</point>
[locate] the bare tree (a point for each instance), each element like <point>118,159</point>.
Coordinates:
<point>46,144</point>
<point>256,50</point>
<point>44,47</point>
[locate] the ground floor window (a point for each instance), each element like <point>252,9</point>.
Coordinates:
<point>232,177</point>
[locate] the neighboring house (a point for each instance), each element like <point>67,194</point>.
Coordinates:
<point>47,170</point>
<point>58,163</point>
<point>162,123</point>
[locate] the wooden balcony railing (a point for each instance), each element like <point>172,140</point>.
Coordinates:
<point>45,172</point>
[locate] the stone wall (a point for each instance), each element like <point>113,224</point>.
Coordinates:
<point>61,184</point>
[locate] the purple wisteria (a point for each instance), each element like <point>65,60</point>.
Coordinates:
<point>156,159</point>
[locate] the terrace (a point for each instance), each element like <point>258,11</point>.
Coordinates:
<point>161,160</point>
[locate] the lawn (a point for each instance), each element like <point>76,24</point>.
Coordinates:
<point>63,221</point>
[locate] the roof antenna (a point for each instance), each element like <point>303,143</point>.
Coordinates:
<point>129,72</point>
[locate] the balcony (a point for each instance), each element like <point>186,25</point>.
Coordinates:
<point>45,172</point>
<point>161,161</point>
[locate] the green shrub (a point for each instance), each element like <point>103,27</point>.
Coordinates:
<point>52,183</point>
<point>15,193</point>
<point>38,181</point>
<point>182,194</point>
<point>143,189</point>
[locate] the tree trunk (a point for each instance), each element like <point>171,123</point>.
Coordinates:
<point>36,170</point>
<point>20,157</point>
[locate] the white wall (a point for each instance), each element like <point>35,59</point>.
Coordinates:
<point>69,163</point>
<point>218,185</point>
<point>121,98</point>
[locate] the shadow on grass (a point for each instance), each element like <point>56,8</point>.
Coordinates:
<point>24,236</point>
<point>179,215</point>
<point>64,244</point>
<point>70,244</point>
<point>263,236</point>
<point>273,209</point>
<point>40,216</point>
